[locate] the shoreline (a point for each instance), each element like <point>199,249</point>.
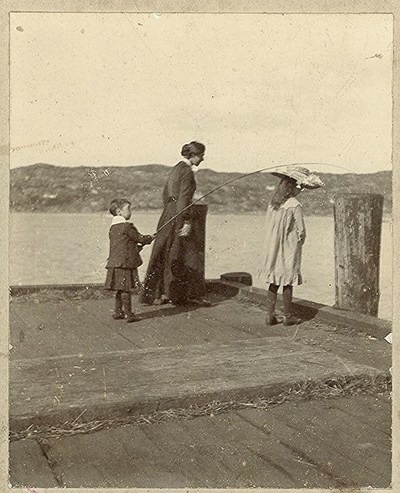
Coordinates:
<point>387,217</point>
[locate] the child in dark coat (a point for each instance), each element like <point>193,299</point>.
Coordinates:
<point>124,258</point>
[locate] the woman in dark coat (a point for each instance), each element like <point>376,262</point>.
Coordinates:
<point>167,275</point>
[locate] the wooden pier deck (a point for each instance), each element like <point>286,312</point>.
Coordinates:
<point>333,443</point>
<point>72,364</point>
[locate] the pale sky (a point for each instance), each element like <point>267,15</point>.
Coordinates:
<point>256,89</point>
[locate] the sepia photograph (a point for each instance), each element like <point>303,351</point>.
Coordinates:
<point>200,250</point>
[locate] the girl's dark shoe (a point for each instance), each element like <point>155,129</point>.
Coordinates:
<point>271,320</point>
<point>118,315</point>
<point>133,318</point>
<point>199,302</point>
<point>159,301</point>
<point>291,320</point>
<point>288,319</point>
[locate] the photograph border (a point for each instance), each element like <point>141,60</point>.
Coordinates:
<point>196,7</point>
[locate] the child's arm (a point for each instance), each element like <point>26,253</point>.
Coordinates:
<point>301,228</point>
<point>147,239</point>
<point>134,235</point>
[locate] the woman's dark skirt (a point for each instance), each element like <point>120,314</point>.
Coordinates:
<point>122,279</point>
<point>166,272</point>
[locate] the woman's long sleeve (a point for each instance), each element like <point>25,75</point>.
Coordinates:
<point>186,189</point>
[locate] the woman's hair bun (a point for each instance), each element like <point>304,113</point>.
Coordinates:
<point>192,149</point>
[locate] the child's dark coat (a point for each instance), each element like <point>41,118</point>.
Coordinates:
<point>124,249</point>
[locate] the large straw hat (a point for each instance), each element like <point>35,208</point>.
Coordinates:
<point>303,176</point>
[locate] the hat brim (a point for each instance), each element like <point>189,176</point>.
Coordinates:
<point>303,185</point>
<point>279,175</point>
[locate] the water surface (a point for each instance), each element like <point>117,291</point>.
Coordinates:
<point>73,248</point>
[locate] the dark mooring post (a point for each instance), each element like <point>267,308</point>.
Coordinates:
<point>195,252</point>
<point>358,225</point>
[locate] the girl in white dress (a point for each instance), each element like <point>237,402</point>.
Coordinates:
<point>284,239</point>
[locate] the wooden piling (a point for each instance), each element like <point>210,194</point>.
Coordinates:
<point>195,251</point>
<point>358,225</point>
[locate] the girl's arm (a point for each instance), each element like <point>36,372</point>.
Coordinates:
<point>299,219</point>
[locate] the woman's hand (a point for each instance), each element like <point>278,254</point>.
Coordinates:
<point>302,238</point>
<point>185,230</point>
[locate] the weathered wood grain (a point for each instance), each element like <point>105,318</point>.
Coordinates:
<point>358,224</point>
<point>345,449</point>
<point>52,329</point>
<point>293,445</point>
<point>136,381</point>
<point>29,467</point>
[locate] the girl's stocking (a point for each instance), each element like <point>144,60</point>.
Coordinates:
<point>288,318</point>
<point>271,302</point>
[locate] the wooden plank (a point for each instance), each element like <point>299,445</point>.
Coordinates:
<point>174,327</point>
<point>29,467</point>
<point>168,325</point>
<point>187,456</point>
<point>154,330</point>
<point>374,412</point>
<point>267,463</point>
<point>121,458</point>
<point>362,422</point>
<point>362,447</point>
<point>62,328</point>
<point>304,448</point>
<point>18,331</point>
<point>150,456</point>
<point>282,447</point>
<point>317,437</point>
<point>247,468</point>
<point>243,317</point>
<point>359,348</point>
<point>197,321</point>
<point>143,380</point>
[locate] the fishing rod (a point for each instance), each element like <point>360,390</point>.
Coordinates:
<point>239,178</point>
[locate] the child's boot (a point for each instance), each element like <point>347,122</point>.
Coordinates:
<point>118,315</point>
<point>118,312</point>
<point>127,303</point>
<point>288,318</point>
<point>271,302</point>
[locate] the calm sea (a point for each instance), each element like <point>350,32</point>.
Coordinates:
<point>72,248</point>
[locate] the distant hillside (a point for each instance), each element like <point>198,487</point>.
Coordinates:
<point>48,188</point>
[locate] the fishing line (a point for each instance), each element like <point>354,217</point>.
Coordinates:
<point>243,176</point>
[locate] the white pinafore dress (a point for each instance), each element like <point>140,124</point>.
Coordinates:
<point>281,253</point>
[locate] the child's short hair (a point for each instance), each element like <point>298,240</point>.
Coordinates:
<point>118,204</point>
